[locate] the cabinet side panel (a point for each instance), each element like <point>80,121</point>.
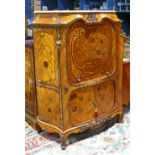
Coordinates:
<point>119,78</point>
<point>30,93</point>
<point>48,106</point>
<point>126,83</point>
<point>46,68</point>
<point>46,56</point>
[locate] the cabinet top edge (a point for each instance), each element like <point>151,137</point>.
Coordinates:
<point>76,11</point>
<point>55,18</point>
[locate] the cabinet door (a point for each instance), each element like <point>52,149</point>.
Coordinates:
<point>81,108</point>
<point>104,97</point>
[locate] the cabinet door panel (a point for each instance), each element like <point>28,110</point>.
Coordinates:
<point>80,105</point>
<point>104,97</point>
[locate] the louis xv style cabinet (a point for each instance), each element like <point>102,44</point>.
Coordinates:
<point>78,67</point>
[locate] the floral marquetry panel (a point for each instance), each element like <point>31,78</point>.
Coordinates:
<point>80,104</point>
<point>48,103</point>
<point>104,98</point>
<point>45,55</point>
<point>91,51</point>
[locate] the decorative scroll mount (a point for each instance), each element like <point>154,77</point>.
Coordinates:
<point>92,18</point>
<point>95,122</point>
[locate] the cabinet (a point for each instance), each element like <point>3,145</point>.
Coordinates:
<point>30,90</point>
<point>78,67</point>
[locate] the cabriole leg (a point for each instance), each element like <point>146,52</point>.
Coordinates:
<point>120,117</point>
<point>38,128</point>
<point>63,142</point>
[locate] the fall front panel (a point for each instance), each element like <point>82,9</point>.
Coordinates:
<point>91,51</point>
